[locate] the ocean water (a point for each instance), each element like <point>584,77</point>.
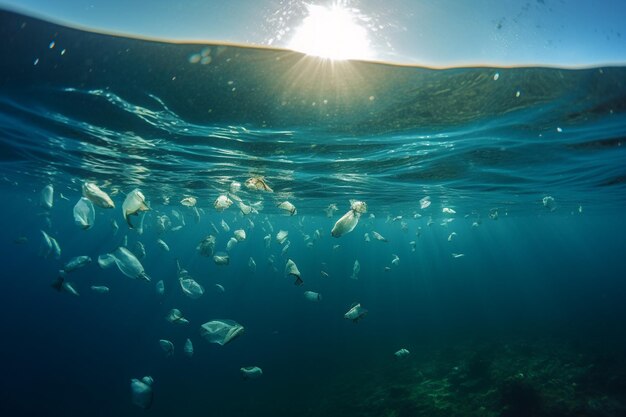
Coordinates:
<point>512,303</point>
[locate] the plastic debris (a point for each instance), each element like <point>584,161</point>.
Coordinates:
<point>76,263</point>
<point>458,255</point>
<point>139,250</point>
<point>84,213</point>
<point>231,244</point>
<point>188,348</point>
<point>167,346</point>
<point>98,197</point>
<point>46,198</point>
<point>425,202</point>
<point>175,316</point>
<point>221,258</point>
<point>356,268</point>
<point>257,183</point>
<point>221,332</point>
<point>188,201</point>
<point>127,263</point>
<point>448,210</point>
<point>189,285</point>
<point>402,353</point>
<point>251,265</point>
<point>548,202</point>
<point>348,221</point>
<point>225,226</point>
<point>220,288</point>
<point>451,236</point>
<point>161,244</point>
<point>49,246</point>
<point>100,289</point>
<point>240,235</point>
<point>413,245</point>
<point>134,203</point>
<point>206,246</point>
<point>292,269</point>
<point>312,296</point>
<point>281,236</point>
<point>288,208</point>
<point>251,372</point>
<point>114,226</point>
<point>141,392</point>
<point>61,285</point>
<point>222,202</point>
<point>379,237</point>
<point>355,313</point>
<point>234,187</point>
<point>331,209</point>
<point>160,288</point>
<point>395,261</point>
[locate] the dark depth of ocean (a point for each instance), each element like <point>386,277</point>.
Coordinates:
<point>513,305</point>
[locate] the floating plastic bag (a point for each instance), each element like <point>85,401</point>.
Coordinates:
<point>141,391</point>
<point>221,331</point>
<point>127,263</point>
<point>84,213</point>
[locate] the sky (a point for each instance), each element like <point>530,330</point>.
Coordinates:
<point>421,32</point>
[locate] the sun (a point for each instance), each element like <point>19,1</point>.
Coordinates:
<point>332,32</point>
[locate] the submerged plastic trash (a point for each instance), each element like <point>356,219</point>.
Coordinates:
<point>355,313</point>
<point>46,198</point>
<point>127,263</point>
<point>231,243</point>
<point>379,237</point>
<point>160,288</point>
<point>61,285</point>
<point>167,346</point>
<point>220,288</point>
<point>458,255</point>
<point>451,236</point>
<point>189,285</point>
<point>448,210</point>
<point>188,348</point>
<point>402,353</point>
<point>251,372</point>
<point>413,245</point>
<point>206,246</point>
<point>98,197</point>
<point>175,316</point>
<point>141,392</point>
<point>331,209</point>
<point>221,258</point>
<point>114,226</point>
<point>240,235</point>
<point>292,269</point>
<point>288,208</point>
<point>188,201</point>
<point>281,236</point>
<point>257,183</point>
<point>356,268</point>
<point>139,250</point>
<point>222,203</point>
<point>312,296</point>
<point>162,245</point>
<point>84,213</point>
<point>76,263</point>
<point>234,187</point>
<point>221,331</point>
<point>425,203</point>
<point>548,202</point>
<point>251,265</point>
<point>225,226</point>
<point>49,246</point>
<point>134,202</point>
<point>348,221</point>
<point>396,260</point>
<point>100,289</point>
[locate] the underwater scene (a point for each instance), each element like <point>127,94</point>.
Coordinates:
<point>218,230</point>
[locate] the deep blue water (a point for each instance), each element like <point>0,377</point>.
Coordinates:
<point>127,113</point>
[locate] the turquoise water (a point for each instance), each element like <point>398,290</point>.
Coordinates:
<point>516,287</point>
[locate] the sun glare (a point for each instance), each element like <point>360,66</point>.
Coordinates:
<point>332,32</point>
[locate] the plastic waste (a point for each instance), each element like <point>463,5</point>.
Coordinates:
<point>348,221</point>
<point>189,285</point>
<point>160,288</point>
<point>84,213</point>
<point>396,260</point>
<point>134,203</point>
<point>235,187</point>
<point>258,184</point>
<point>46,198</point>
<point>98,197</point>
<point>312,296</point>
<point>355,313</point>
<point>127,263</point>
<point>162,245</point>
<point>141,392</point>
<point>288,208</point>
<point>356,268</point>
<point>251,265</point>
<point>231,243</point>
<point>292,269</point>
<point>448,210</point>
<point>402,353</point>
<point>221,331</point>
<point>175,316</point>
<point>188,348</point>
<point>240,235</point>
<point>251,372</point>
<point>76,263</point>
<point>61,285</point>
<point>100,289</point>
<point>425,202</point>
<point>114,226</point>
<point>281,236</point>
<point>331,209</point>
<point>379,237</point>
<point>220,288</point>
<point>139,250</point>
<point>222,203</point>
<point>188,201</point>
<point>167,346</point>
<point>221,258</point>
<point>206,246</point>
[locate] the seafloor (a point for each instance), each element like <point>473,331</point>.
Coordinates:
<point>546,377</point>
